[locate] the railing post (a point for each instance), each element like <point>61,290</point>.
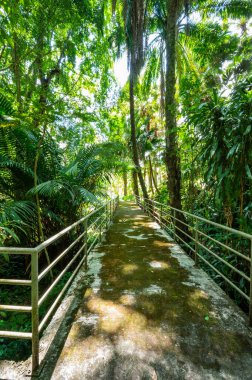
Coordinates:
<point>173,224</point>
<point>107,215</point>
<point>250,294</point>
<point>85,241</point>
<point>109,212</point>
<point>161,214</point>
<point>100,232</point>
<point>35,310</point>
<point>196,243</point>
<point>100,227</point>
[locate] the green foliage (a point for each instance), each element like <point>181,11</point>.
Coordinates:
<point>63,189</point>
<point>5,107</point>
<point>222,128</point>
<point>61,109</point>
<point>19,349</point>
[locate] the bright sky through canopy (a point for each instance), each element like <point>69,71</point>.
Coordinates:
<point>121,70</point>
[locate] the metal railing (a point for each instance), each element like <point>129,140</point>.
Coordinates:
<point>92,225</point>
<point>193,232</point>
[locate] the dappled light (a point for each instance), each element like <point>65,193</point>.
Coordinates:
<point>125,189</point>
<point>159,243</point>
<point>148,311</point>
<point>127,299</point>
<point>129,268</point>
<point>159,264</point>
<point>152,289</point>
<point>115,317</point>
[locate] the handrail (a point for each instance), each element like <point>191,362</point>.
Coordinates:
<point>10,281</point>
<point>17,250</point>
<point>192,239</point>
<point>95,229</point>
<point>58,258</point>
<point>52,239</point>
<point>55,282</point>
<point>229,229</point>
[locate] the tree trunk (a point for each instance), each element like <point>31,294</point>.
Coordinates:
<point>144,172</point>
<point>135,182</point>
<point>162,84</point>
<point>17,71</point>
<point>40,224</point>
<point>133,138</point>
<point>150,177</point>
<point>172,152</point>
<point>125,184</point>
<point>153,176</point>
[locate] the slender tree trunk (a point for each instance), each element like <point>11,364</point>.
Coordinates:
<point>172,153</point>
<point>155,174</point>
<point>125,184</point>
<point>38,119</point>
<point>40,224</point>
<point>17,71</point>
<point>162,84</point>
<point>152,176</point>
<point>133,138</point>
<point>135,182</point>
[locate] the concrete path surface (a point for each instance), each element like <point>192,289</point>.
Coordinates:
<point>148,313</point>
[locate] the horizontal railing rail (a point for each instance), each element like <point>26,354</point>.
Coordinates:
<point>187,228</point>
<point>90,235</point>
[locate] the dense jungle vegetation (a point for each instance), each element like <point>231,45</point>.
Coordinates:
<point>179,130</point>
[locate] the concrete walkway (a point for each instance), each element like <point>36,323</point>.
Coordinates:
<point>148,313</point>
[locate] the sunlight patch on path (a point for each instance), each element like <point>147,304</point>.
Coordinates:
<point>148,313</point>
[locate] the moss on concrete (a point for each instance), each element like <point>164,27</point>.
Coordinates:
<point>143,318</point>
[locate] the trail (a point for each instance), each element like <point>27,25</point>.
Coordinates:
<point>148,313</point>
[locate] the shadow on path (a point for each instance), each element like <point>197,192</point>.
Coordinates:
<point>143,316</point>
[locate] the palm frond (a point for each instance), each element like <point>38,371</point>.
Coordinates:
<point>5,108</point>
<point>17,211</point>
<point>51,189</point>
<point>87,196</point>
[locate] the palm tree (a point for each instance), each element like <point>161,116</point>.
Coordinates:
<point>134,21</point>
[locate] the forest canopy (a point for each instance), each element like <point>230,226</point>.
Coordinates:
<point>179,129</point>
